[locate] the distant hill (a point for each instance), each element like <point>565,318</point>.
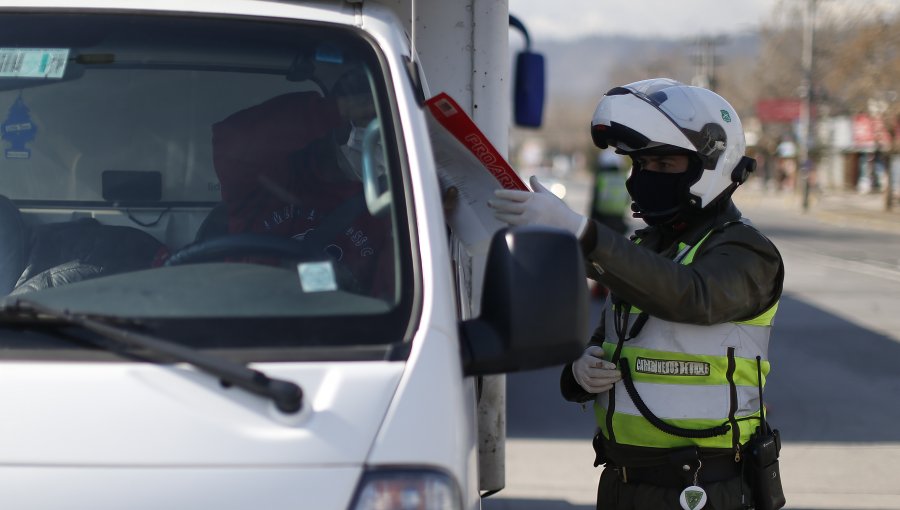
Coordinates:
<point>586,68</point>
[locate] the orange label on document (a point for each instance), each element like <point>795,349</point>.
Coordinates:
<point>448,113</point>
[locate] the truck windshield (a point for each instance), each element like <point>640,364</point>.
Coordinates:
<point>225,182</point>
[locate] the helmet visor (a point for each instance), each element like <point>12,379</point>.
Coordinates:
<point>617,135</point>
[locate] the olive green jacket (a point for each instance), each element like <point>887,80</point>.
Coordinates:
<point>736,274</point>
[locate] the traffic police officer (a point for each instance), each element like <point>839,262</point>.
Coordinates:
<point>677,366</point>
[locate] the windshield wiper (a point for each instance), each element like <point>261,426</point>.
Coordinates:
<point>287,396</point>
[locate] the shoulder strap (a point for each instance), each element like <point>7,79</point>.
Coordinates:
<point>656,421</point>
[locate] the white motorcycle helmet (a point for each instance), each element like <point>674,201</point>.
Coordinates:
<point>663,113</point>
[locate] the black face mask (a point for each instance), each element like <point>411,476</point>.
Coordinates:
<point>657,195</point>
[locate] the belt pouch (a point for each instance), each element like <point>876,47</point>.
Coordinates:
<point>599,450</point>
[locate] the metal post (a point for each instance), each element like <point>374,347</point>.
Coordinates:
<point>807,132</point>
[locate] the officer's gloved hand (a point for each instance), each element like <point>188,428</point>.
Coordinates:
<point>593,374</point>
<point>539,208</point>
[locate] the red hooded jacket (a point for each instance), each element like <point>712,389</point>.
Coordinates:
<point>277,164</point>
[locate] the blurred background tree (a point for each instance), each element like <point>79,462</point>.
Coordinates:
<point>856,70</point>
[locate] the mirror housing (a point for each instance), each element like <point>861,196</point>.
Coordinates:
<point>534,306</point>
<point>529,89</point>
<point>528,85</point>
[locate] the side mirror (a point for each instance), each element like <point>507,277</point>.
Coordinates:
<point>528,100</point>
<point>534,310</point>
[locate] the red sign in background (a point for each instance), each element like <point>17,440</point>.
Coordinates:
<point>779,109</point>
<point>869,132</point>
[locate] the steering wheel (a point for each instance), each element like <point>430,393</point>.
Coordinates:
<point>261,245</point>
<point>242,245</point>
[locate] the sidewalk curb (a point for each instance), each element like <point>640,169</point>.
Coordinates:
<point>843,209</point>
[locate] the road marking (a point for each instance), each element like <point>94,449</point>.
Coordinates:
<point>830,261</point>
<point>849,476</point>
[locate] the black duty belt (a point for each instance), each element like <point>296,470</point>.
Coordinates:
<point>712,469</point>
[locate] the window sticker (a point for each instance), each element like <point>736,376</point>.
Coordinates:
<point>33,62</point>
<point>317,276</point>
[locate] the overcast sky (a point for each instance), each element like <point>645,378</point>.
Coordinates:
<point>569,19</point>
<point>566,19</point>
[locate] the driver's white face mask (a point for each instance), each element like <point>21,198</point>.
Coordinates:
<point>353,151</point>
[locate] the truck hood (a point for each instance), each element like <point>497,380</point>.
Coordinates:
<point>144,415</point>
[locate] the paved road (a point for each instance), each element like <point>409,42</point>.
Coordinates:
<point>833,391</point>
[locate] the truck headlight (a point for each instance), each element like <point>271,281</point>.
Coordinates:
<point>407,489</point>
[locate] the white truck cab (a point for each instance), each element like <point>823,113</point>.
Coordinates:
<point>227,274</point>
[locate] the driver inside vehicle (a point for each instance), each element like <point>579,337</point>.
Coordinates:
<point>291,167</point>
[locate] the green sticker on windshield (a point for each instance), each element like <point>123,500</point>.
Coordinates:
<point>33,62</point>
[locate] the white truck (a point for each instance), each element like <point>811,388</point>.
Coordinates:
<point>229,280</point>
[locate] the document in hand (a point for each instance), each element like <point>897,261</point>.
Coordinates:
<point>465,159</point>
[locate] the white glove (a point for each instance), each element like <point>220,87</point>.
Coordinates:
<point>593,374</point>
<point>539,208</point>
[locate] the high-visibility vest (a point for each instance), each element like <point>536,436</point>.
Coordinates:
<point>689,376</point>
<point>611,197</point>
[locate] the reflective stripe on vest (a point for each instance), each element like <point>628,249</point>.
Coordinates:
<point>681,371</point>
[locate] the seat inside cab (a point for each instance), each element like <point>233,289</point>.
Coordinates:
<point>127,147</point>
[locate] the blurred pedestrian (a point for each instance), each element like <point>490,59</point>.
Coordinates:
<point>610,200</point>
<point>786,153</point>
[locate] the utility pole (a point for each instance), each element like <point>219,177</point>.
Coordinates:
<point>705,62</point>
<point>807,131</point>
